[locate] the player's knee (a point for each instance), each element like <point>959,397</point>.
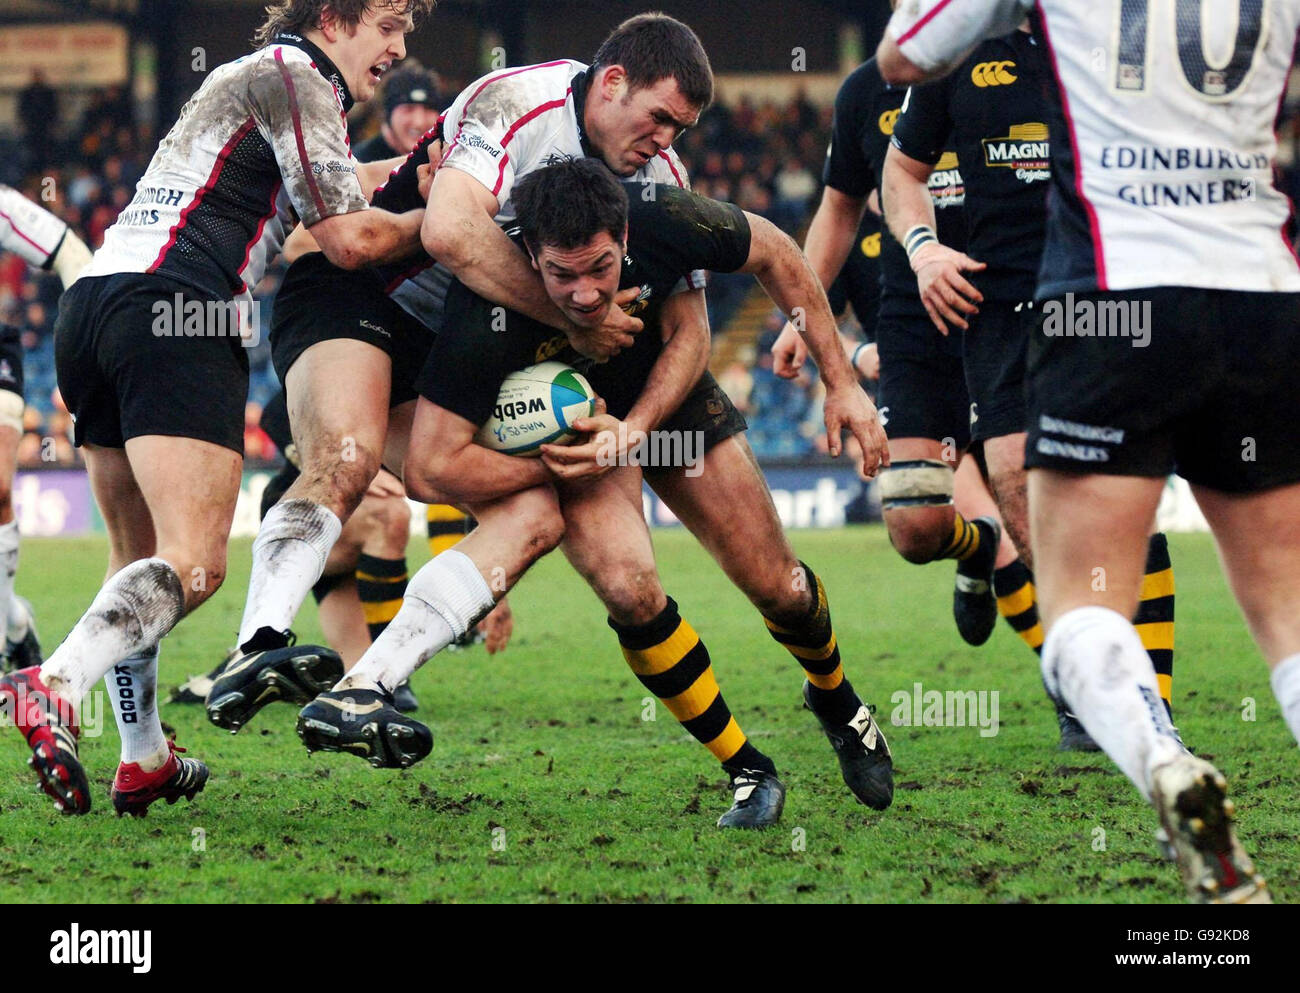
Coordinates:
<point>543,523</point>
<point>631,593</point>
<point>343,478</point>
<point>916,536</point>
<point>780,594</point>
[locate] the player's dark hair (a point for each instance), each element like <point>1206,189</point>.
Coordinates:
<point>566,205</point>
<point>297,16</point>
<point>654,46</point>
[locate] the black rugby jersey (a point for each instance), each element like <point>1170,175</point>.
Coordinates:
<point>866,110</point>
<point>670,236</point>
<point>993,110</point>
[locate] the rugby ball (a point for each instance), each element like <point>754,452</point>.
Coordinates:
<point>537,406</point>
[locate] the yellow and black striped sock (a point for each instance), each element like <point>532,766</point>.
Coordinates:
<point>672,663</point>
<point>964,543</point>
<point>446,525</point>
<point>1155,616</point>
<point>813,645</point>
<point>1013,585</point>
<point>381,584</point>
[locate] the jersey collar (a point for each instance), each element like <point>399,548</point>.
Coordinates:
<point>324,65</point>
<point>580,84</point>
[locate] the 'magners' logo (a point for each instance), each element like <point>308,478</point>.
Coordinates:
<point>1025,148</point>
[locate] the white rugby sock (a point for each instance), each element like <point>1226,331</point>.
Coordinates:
<point>443,601</point>
<point>133,692</point>
<point>133,610</point>
<point>1094,660</point>
<point>1286,687</point>
<point>8,570</point>
<point>288,558</point>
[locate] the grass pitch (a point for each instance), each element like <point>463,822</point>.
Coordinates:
<point>548,783</point>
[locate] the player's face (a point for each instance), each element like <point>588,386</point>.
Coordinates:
<point>582,281</point>
<point>368,49</point>
<point>409,122</point>
<point>636,125</point>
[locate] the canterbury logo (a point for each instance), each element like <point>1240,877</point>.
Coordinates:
<point>887,121</point>
<point>993,74</point>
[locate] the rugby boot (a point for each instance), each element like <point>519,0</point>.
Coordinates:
<point>404,698</point>
<point>1073,736</point>
<point>267,669</point>
<point>48,724</point>
<point>196,688</point>
<point>759,799</point>
<point>364,723</point>
<point>1190,795</point>
<point>863,753</point>
<point>24,652</point>
<point>974,604</point>
<point>134,789</point>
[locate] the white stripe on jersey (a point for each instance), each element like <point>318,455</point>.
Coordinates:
<point>29,231</point>
<point>1171,128</point>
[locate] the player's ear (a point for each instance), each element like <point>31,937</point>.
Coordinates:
<point>624,240</point>
<point>612,80</point>
<point>532,256</point>
<point>330,23</point>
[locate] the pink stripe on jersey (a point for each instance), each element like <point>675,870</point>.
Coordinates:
<point>514,129</point>
<point>673,168</point>
<point>217,166</point>
<point>505,75</point>
<point>13,227</point>
<point>911,33</point>
<point>1098,250</point>
<point>303,160</point>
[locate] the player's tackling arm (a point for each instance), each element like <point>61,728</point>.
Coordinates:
<point>789,280</point>
<point>368,237</point>
<point>925,39</point>
<point>684,322</point>
<point>461,233</point>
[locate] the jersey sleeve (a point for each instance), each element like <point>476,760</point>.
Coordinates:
<point>29,231</point>
<point>402,190</point>
<point>925,123</point>
<point>690,233</point>
<point>298,113</point>
<point>935,34</point>
<point>847,167</point>
<point>477,125</point>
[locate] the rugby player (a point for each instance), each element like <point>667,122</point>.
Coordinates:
<point>45,242</point>
<point>159,415</point>
<point>581,238</point>
<point>1186,229</point>
<point>649,68</point>
<point>991,109</point>
<point>934,501</point>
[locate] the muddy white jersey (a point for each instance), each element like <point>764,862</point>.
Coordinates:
<point>1164,171</point>
<point>261,145</point>
<point>29,231</point>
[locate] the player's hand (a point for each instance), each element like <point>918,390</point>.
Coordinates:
<point>789,352</point>
<point>849,407</point>
<point>599,452</point>
<point>868,364</point>
<point>497,627</point>
<point>616,334</point>
<point>948,297</point>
